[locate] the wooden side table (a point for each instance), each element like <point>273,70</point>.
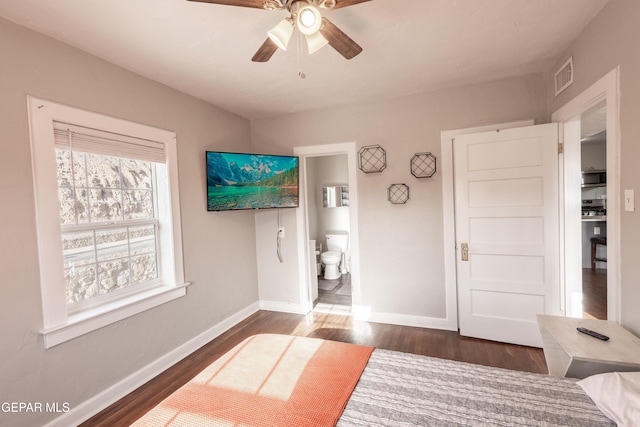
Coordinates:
<point>570,353</point>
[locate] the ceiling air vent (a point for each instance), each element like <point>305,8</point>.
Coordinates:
<point>564,76</point>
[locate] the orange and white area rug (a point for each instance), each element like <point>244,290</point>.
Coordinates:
<point>267,380</point>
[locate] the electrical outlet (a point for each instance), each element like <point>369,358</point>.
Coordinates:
<point>596,231</point>
<point>281,232</point>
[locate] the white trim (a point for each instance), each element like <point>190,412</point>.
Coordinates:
<point>90,320</point>
<point>92,406</point>
<point>607,88</point>
<point>570,231</point>
<point>283,307</point>
<point>302,224</point>
<point>58,324</point>
<point>448,212</point>
<point>362,314</point>
<point>348,148</point>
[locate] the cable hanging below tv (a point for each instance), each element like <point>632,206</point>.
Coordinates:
<point>240,181</point>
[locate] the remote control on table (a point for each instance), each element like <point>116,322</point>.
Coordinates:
<point>593,334</point>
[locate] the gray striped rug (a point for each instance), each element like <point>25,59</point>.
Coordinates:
<point>400,389</point>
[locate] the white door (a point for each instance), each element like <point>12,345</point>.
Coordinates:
<point>507,232</point>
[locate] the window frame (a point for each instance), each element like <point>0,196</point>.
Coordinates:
<point>59,323</point>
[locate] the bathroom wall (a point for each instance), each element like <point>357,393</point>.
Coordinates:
<point>329,170</point>
<point>323,171</point>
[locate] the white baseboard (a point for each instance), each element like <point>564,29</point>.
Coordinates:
<point>282,307</point>
<point>363,313</point>
<point>90,407</point>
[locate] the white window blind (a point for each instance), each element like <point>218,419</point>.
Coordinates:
<point>78,138</point>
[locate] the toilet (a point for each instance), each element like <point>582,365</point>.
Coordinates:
<point>333,258</point>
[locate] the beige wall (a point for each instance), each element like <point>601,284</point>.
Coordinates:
<point>219,248</point>
<point>401,246</point>
<point>608,41</point>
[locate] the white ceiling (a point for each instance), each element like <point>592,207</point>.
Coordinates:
<point>410,46</point>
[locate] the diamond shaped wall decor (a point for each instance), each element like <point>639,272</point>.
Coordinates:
<point>372,159</point>
<point>398,194</point>
<point>423,165</point>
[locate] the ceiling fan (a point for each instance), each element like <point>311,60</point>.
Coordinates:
<point>306,17</point>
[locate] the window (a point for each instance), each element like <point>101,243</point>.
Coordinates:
<point>108,213</point>
<point>108,221</point>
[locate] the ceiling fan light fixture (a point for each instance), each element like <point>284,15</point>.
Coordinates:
<point>281,33</point>
<point>309,19</point>
<point>315,42</point>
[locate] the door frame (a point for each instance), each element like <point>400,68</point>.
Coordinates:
<point>607,89</point>
<point>448,211</point>
<point>302,220</point>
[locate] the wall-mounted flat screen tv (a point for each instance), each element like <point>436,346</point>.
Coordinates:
<point>251,181</point>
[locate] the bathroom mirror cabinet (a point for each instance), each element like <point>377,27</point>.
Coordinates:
<point>335,196</point>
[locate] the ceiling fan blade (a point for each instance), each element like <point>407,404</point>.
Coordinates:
<point>339,40</point>
<point>265,52</point>
<point>258,4</point>
<point>342,3</point>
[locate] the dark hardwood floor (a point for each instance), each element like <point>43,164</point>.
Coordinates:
<point>594,294</point>
<point>334,296</point>
<point>428,342</point>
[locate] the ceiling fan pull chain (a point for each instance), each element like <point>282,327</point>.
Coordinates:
<point>301,73</point>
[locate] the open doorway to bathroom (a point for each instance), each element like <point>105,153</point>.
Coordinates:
<point>328,219</point>
<point>308,229</point>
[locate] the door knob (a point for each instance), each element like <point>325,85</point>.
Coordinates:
<point>464,251</point>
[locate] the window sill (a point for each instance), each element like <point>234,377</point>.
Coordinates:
<point>90,320</point>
